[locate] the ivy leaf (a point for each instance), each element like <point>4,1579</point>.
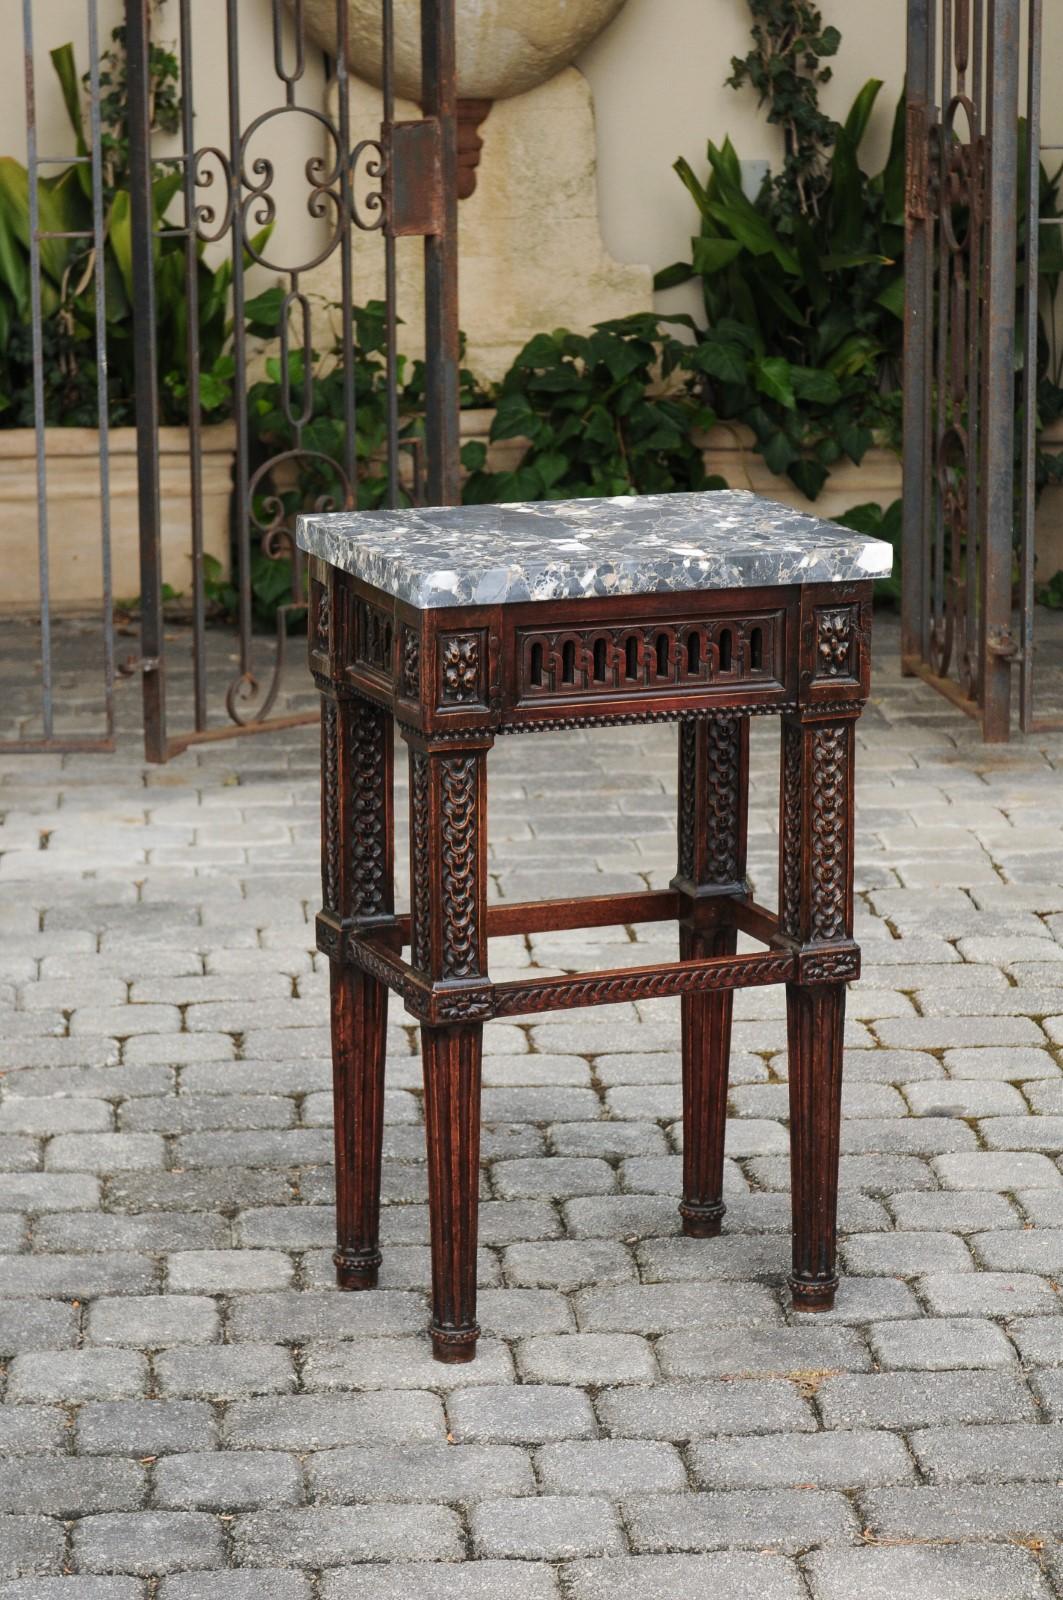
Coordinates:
<point>551,466</point>
<point>721,359</point>
<point>809,383</point>
<point>778,452</point>
<point>773,379</point>
<point>809,477</point>
<point>514,417</point>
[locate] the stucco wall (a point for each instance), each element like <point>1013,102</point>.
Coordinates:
<point>657,80</point>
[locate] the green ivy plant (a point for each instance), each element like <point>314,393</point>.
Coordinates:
<point>805,279</point>
<point>606,413</point>
<point>785,67</point>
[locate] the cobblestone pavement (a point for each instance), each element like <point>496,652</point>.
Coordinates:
<point>191,1410</point>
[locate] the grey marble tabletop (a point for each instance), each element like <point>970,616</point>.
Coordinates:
<point>580,549</point>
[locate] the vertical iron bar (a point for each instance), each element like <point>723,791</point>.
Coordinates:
<point>918,327</point>
<point>102,398</point>
<point>1031,309</point>
<point>939,575</point>
<point>242,497</point>
<point>343,121</point>
<point>44,579</point>
<point>195,421</point>
<point>439,100</point>
<point>145,369</point>
<point>972,343</point>
<point>391,355</point>
<point>997,513</point>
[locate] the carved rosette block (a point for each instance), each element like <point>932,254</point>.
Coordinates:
<point>835,638</point>
<point>461,669</point>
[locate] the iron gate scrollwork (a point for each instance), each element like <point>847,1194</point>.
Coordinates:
<point>399,181</point>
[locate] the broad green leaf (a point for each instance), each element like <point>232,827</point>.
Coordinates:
<point>856,122</point>
<point>14,264</point>
<point>120,234</point>
<point>727,171</point>
<point>754,232</point>
<point>60,207</point>
<point>689,178</point>
<point>847,201</point>
<point>671,277</point>
<point>892,296</point>
<point>893,173</point>
<point>67,73</point>
<point>712,255</point>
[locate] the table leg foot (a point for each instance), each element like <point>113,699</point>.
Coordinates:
<point>357,1271</point>
<point>702,1221</point>
<point>454,1345</point>
<point>813,1295</point>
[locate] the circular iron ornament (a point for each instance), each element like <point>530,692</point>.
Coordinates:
<point>209,227</point>
<point>259,206</point>
<point>961,179</point>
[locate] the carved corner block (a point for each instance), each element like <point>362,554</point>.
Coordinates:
<point>328,622</point>
<point>836,647</point>
<point>463,663</point>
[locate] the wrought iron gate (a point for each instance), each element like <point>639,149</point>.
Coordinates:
<point>959,373</point>
<point>975,352</point>
<point>396,180</point>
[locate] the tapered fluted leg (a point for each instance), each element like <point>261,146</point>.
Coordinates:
<point>816,913</point>
<point>359,1029</point>
<point>706,1026</point>
<point>357,883</point>
<point>713,784</point>
<point>815,1016</point>
<point>452,1124</point>
<point>448,941</point>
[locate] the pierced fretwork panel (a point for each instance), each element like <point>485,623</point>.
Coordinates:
<point>640,658</point>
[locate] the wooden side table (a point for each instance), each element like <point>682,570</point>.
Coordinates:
<point>464,624</point>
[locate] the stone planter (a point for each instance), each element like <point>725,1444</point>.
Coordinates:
<point>72,457</point>
<point>504,47</point>
<point>729,450</point>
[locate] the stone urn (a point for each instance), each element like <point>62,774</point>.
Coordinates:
<point>504,47</point>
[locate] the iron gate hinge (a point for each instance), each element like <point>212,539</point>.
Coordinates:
<point>413,178</point>
<point>1000,643</point>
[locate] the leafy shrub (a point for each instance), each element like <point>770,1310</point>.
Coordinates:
<point>606,413</point>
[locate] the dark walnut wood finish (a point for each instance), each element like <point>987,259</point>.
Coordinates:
<point>454,680</point>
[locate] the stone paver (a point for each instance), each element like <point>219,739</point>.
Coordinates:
<point>192,1412</point>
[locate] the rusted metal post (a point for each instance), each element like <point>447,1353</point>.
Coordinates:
<point>997,457</point>
<point>918,320</point>
<point>439,100</point>
<point>145,368</point>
